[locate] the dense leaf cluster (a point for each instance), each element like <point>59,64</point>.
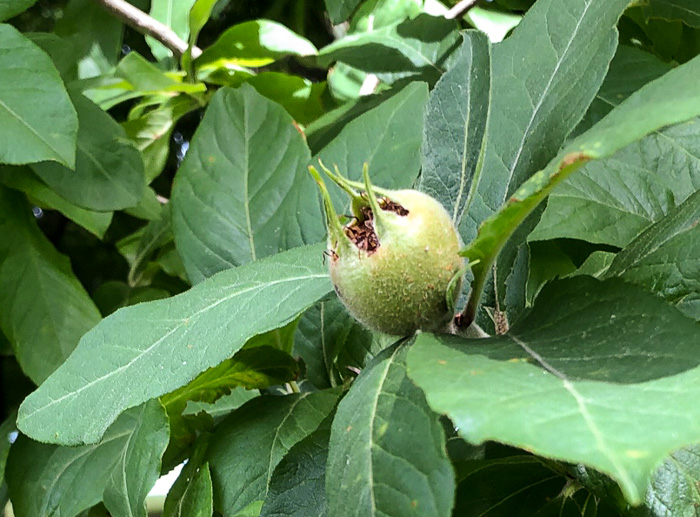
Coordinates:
<point>164,297</point>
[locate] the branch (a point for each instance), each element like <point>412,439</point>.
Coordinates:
<point>460,9</point>
<point>145,24</point>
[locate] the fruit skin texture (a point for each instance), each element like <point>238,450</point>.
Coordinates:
<point>401,286</point>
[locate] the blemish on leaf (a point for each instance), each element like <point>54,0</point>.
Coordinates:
<point>348,428</point>
<point>442,362</point>
<point>211,159</point>
<point>382,429</point>
<point>634,453</point>
<point>573,158</point>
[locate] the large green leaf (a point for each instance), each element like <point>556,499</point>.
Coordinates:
<point>387,137</point>
<point>417,47</point>
<point>120,470</point>
<point>300,97</point>
<point>174,14</point>
<point>586,377</point>
<point>11,8</point>
<point>254,43</point>
<point>297,485</point>
<point>150,349</point>
<point>108,171</point>
<point>23,179</point>
<point>243,191</point>
<point>455,123</point>
<point>44,310</point>
<point>671,99</point>
<point>249,444</point>
<point>666,258</point>
<point>37,119</point>
<point>387,449</point>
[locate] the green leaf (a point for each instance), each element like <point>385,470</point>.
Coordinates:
<point>223,405</point>
<point>121,469</point>
<point>329,341</point>
<point>297,486</point>
<point>35,123</point>
<point>417,47</point>
<point>95,36</point>
<point>151,132</point>
<point>108,171</point>
<point>248,445</point>
<point>455,124</point>
<point>255,368</point>
<point>23,179</point>
<point>687,11</point>
<point>150,349</point>
<point>674,489</point>
<point>174,14</point>
<point>192,494</point>
<point>630,69</point>
<point>11,8</point>
<point>666,258</point>
<point>612,201</point>
<point>570,377</point>
<point>668,100</point>
<point>300,97</point>
<point>387,137</point>
<point>146,78</point>
<point>42,330</point>
<point>340,10</point>
<point>387,449</point>
<point>7,427</point>
<point>506,487</point>
<point>199,15</point>
<point>156,234</point>
<point>243,191</point>
<point>254,43</point>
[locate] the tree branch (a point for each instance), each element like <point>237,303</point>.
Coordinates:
<point>460,9</point>
<point>145,24</point>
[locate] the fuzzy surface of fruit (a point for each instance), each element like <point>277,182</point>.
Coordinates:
<point>392,264</point>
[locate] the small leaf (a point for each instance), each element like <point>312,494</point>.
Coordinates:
<point>23,179</point>
<point>300,97</point>
<point>387,449</point>
<point>297,485</point>
<point>150,349</point>
<point>108,171</point>
<point>35,123</point>
<point>568,380</point>
<point>146,78</point>
<point>192,494</point>
<point>120,470</point>
<point>666,258</point>
<point>248,445</point>
<point>42,330</point>
<point>254,43</point>
<point>240,194</point>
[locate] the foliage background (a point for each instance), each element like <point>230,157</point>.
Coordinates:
<point>568,155</point>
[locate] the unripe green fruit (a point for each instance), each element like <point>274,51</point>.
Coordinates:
<point>393,263</point>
